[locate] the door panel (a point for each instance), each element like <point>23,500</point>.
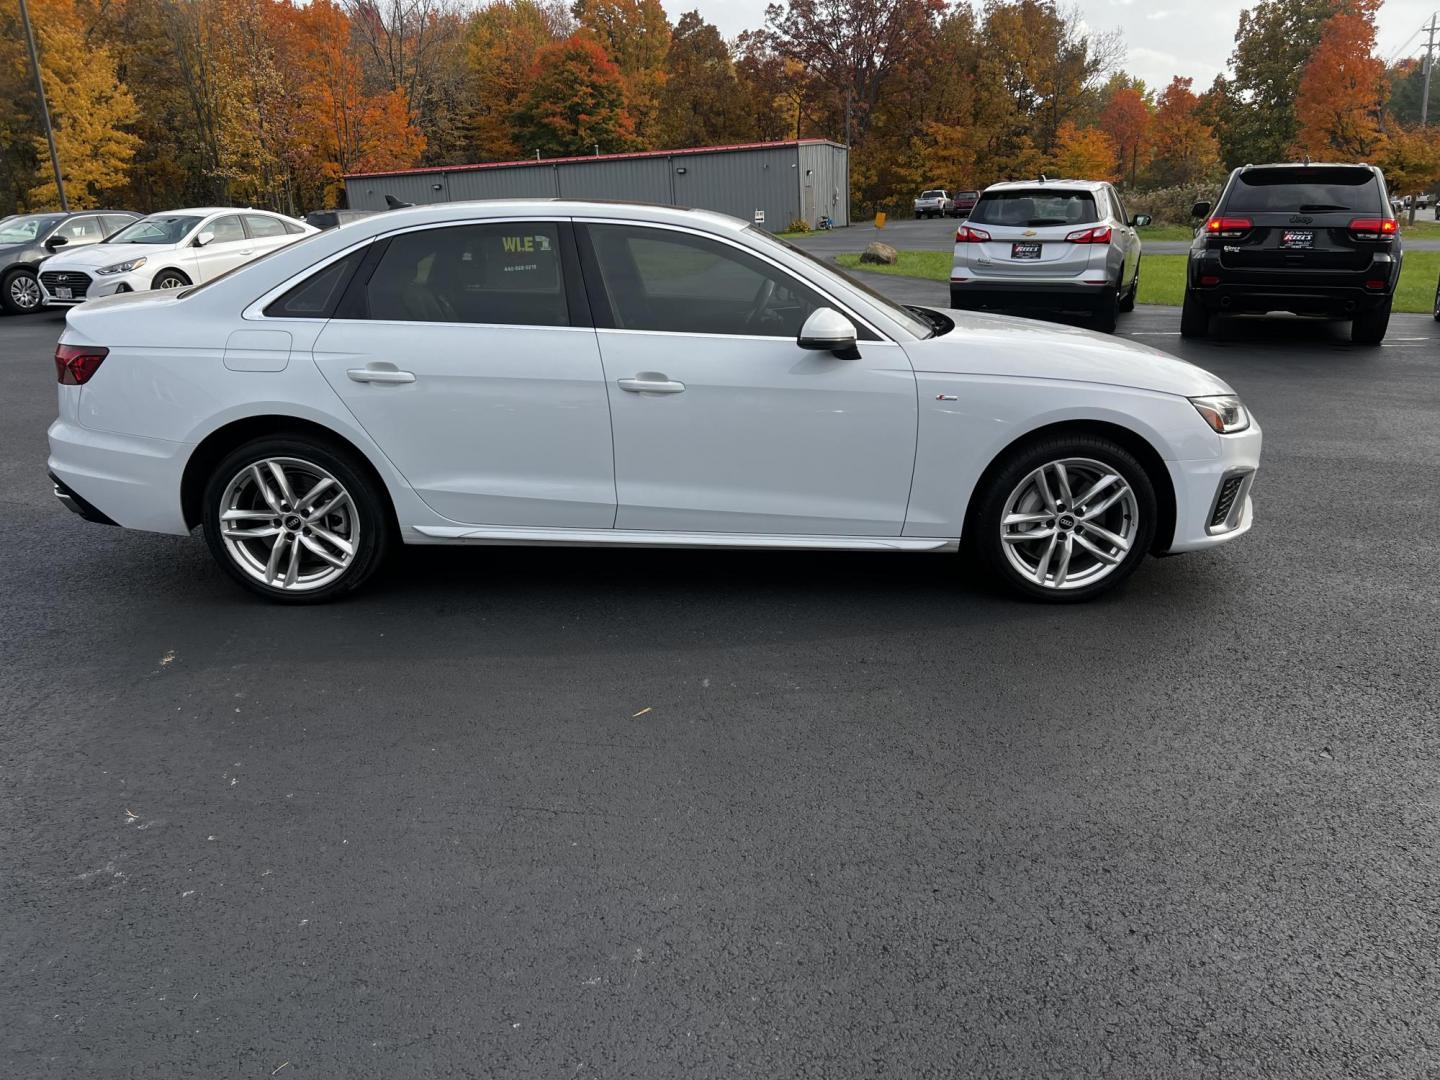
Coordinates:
<point>722,423</point>
<point>490,424</point>
<point>228,250</point>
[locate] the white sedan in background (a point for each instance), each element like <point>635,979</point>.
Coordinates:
<point>166,251</point>
<point>552,372</point>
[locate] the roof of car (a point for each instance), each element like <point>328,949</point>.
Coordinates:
<point>206,211</point>
<point>550,207</point>
<point>1013,185</point>
<point>1310,165</point>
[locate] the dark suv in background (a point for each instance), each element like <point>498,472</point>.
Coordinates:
<point>1309,239</point>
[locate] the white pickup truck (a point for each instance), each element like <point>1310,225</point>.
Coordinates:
<point>934,203</point>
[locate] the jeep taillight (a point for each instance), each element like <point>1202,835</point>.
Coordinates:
<point>76,364</point>
<point>1228,228</point>
<point>967,234</point>
<point>1098,235</point>
<point>1374,228</point>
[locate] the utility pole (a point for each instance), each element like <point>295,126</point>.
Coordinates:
<point>1429,67</point>
<point>44,108</point>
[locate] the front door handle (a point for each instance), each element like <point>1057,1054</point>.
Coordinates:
<point>388,374</point>
<point>652,382</point>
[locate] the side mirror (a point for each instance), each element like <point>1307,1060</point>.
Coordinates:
<point>827,330</point>
<point>56,242</point>
<point>1141,220</point>
<point>1200,210</point>
<point>204,238</point>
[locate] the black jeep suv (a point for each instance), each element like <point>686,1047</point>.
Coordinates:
<point>1310,239</point>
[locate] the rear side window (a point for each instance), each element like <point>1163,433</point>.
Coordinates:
<point>258,225</point>
<point>505,273</point>
<point>317,295</point>
<point>227,230</point>
<point>1035,208</point>
<point>1305,190</point>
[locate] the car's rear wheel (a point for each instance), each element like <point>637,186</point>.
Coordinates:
<point>1127,302</point>
<point>1369,326</point>
<point>170,279</point>
<point>1437,302</point>
<point>1065,519</point>
<point>295,520</point>
<point>21,292</point>
<point>1194,319</point>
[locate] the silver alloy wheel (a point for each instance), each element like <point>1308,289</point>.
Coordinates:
<point>289,524</point>
<point>1069,523</point>
<point>25,292</point>
<point>171,281</point>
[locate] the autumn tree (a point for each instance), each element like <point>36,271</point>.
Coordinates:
<point>635,35</point>
<point>1186,151</point>
<point>576,102</point>
<point>90,110</point>
<point>1341,92</point>
<point>1273,43</point>
<point>501,44</point>
<point>1127,119</point>
<point>1411,159</point>
<point>702,103</point>
<point>1085,153</point>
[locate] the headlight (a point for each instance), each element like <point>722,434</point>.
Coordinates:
<point>1224,413</point>
<point>122,268</point>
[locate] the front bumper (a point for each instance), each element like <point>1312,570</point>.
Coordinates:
<point>98,287</point>
<point>120,479</point>
<point>1201,495</point>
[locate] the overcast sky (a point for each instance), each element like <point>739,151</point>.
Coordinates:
<point>1164,37</point>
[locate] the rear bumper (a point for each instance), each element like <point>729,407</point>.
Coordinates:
<point>1336,293</point>
<point>118,479</point>
<point>1023,295</point>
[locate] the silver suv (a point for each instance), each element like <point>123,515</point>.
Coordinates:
<point>1049,245</point>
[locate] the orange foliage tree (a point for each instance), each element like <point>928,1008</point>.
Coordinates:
<point>1127,119</point>
<point>1084,153</point>
<point>1342,89</point>
<point>1185,148</point>
<point>576,102</point>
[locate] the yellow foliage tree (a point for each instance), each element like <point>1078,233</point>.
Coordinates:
<point>89,110</point>
<point>1085,153</point>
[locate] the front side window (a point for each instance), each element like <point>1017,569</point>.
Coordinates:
<point>500,273</point>
<point>227,230</point>
<point>260,225</point>
<point>157,229</point>
<point>26,228</point>
<point>656,279</point>
<point>1035,208</point>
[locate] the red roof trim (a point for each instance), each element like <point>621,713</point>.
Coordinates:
<point>595,157</point>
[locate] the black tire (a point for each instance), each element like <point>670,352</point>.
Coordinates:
<point>1107,311</point>
<point>1127,302</point>
<point>1369,327</point>
<point>983,529</point>
<point>1437,303</point>
<point>1194,319</point>
<point>373,520</point>
<point>20,292</point>
<point>173,279</point>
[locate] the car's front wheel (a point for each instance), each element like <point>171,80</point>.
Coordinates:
<point>21,292</point>
<point>170,279</point>
<point>295,520</point>
<point>1065,519</point>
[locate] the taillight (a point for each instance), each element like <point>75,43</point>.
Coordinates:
<point>1098,235</point>
<point>1228,228</point>
<point>76,364</point>
<point>1374,228</point>
<point>967,234</point>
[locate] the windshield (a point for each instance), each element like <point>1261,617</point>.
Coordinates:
<point>25,228</point>
<point>1034,208</point>
<point>157,229</point>
<point>967,194</point>
<point>932,195</point>
<point>905,317</point>
<point>1305,190</point>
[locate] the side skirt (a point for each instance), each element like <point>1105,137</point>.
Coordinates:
<point>509,535</point>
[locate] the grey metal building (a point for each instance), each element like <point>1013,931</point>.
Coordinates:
<point>769,183</point>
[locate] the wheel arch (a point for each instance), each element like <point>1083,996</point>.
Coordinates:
<point>170,270</point>
<point>1132,441</point>
<point>211,449</point>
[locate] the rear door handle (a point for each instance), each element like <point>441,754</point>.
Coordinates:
<point>380,375</point>
<point>651,382</point>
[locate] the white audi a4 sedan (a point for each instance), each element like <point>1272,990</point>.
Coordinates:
<point>573,373</point>
<point>166,251</point>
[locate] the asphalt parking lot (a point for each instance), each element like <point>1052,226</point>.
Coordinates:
<point>519,813</point>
